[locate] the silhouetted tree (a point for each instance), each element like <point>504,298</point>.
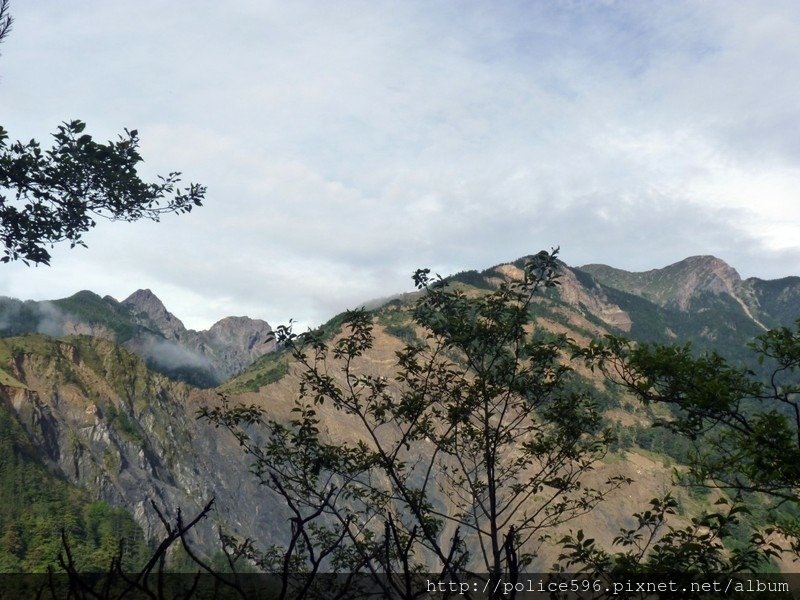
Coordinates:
<point>745,427</point>
<point>5,20</point>
<point>57,195</point>
<point>744,430</point>
<point>464,459</point>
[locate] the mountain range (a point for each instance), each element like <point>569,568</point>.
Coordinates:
<point>142,324</point>
<point>688,284</point>
<point>107,392</point>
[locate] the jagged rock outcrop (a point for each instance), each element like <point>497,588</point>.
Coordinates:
<point>147,307</point>
<point>226,348</point>
<point>238,341</point>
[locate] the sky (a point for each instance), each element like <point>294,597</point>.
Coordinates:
<point>346,144</point>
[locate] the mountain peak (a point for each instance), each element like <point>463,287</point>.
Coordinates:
<point>84,296</point>
<point>701,274</point>
<point>709,262</point>
<point>243,332</point>
<point>677,284</point>
<point>143,297</point>
<point>145,303</point>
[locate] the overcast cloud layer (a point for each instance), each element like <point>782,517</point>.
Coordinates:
<point>346,144</point>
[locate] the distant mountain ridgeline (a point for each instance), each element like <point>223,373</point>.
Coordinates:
<point>703,300</point>
<point>142,324</point>
<point>700,299</point>
<point>688,285</point>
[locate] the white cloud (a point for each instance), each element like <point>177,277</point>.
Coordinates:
<point>346,144</point>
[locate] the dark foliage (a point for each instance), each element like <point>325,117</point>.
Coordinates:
<point>746,431</point>
<point>56,195</point>
<point>480,409</point>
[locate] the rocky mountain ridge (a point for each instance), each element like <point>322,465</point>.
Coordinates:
<point>142,324</point>
<point>147,307</point>
<point>689,284</point>
<point>674,284</point>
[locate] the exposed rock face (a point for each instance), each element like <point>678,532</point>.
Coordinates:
<point>238,341</point>
<point>591,299</point>
<point>82,328</point>
<point>130,436</point>
<point>594,300</point>
<point>146,306</point>
<point>703,274</point>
